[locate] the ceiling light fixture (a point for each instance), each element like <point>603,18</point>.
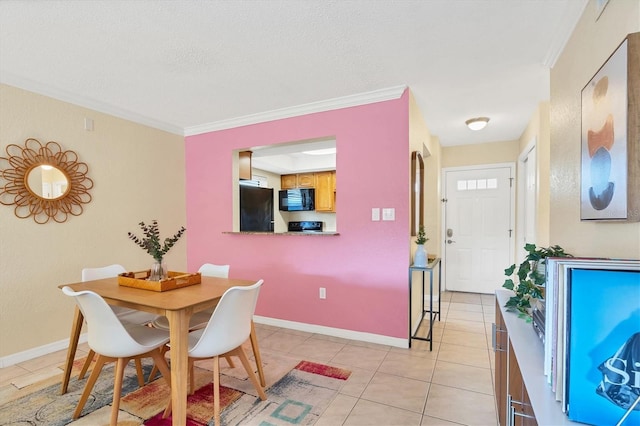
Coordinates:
<point>477,123</point>
<point>325,151</point>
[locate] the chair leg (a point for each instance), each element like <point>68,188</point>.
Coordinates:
<point>154,370</point>
<point>252,376</point>
<point>256,353</point>
<point>230,362</point>
<point>216,390</point>
<point>89,386</point>
<point>192,379</point>
<point>158,358</point>
<point>87,363</point>
<point>117,389</point>
<point>138,363</point>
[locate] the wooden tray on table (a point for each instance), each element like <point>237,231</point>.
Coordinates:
<point>175,280</point>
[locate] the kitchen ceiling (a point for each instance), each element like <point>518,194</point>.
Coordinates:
<point>185,66</point>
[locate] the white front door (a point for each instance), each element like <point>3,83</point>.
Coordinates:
<point>478,227</point>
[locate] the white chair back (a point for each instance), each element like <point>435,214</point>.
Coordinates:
<point>107,335</point>
<point>211,270</point>
<point>230,324</point>
<point>90,274</point>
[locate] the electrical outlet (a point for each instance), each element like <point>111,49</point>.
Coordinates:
<point>323,293</point>
<point>375,214</point>
<point>389,213</point>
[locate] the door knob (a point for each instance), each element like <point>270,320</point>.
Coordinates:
<point>450,241</point>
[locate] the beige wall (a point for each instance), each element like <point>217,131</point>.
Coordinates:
<point>139,176</point>
<point>485,153</point>
<point>538,130</point>
<point>420,139</point>
<point>588,48</point>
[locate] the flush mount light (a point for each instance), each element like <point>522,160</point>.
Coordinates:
<point>477,123</point>
<point>325,151</point>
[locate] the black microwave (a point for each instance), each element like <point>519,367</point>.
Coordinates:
<point>301,199</point>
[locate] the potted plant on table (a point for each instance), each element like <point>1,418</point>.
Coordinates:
<point>420,256</point>
<point>151,243</point>
<point>531,279</point>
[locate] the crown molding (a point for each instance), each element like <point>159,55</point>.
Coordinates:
<point>62,95</point>
<point>573,11</point>
<point>313,107</point>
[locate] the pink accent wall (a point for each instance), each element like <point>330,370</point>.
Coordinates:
<point>364,269</point>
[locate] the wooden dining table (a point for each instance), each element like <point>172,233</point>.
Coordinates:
<point>177,305</point>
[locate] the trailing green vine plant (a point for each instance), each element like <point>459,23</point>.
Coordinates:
<point>530,279</point>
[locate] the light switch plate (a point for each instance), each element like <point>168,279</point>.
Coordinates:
<point>389,214</point>
<point>375,213</point>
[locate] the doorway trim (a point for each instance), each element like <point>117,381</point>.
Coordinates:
<point>521,182</point>
<point>443,211</point>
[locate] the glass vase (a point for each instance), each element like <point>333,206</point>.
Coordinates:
<point>158,271</point>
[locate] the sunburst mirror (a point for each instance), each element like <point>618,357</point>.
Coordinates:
<point>44,182</point>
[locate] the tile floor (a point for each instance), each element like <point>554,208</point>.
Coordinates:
<point>452,385</point>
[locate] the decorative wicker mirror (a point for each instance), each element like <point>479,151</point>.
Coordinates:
<point>44,182</point>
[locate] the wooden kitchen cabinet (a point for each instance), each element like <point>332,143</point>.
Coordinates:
<point>323,182</point>
<point>300,180</point>
<point>513,403</point>
<point>244,165</point>
<point>325,185</point>
<point>288,181</point>
<point>306,180</point>
<point>501,342</point>
<point>518,404</point>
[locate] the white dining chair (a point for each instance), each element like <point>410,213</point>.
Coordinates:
<point>125,315</point>
<point>112,341</point>
<point>228,328</point>
<point>199,319</point>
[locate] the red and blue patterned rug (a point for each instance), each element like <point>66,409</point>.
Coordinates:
<point>299,397</point>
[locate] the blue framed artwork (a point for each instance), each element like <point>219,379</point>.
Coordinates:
<point>603,356</point>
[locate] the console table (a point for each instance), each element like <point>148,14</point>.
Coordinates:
<point>431,266</point>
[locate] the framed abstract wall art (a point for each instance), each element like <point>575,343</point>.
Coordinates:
<point>610,138</point>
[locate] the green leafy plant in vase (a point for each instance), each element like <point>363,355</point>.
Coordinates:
<point>530,279</point>
<point>156,247</point>
<point>420,256</point>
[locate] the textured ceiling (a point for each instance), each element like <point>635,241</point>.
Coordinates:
<point>178,65</point>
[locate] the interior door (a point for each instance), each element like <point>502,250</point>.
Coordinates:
<point>478,216</point>
<point>529,200</point>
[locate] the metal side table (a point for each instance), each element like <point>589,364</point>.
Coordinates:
<point>431,266</point>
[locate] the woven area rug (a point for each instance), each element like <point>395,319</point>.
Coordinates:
<point>299,397</point>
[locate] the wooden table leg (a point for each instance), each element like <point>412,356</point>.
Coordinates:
<point>76,328</point>
<point>256,354</point>
<point>179,340</point>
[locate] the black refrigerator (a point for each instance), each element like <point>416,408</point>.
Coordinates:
<point>256,209</point>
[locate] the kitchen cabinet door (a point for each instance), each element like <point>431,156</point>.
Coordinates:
<point>520,410</point>
<point>325,191</point>
<point>306,180</point>
<point>244,164</point>
<point>501,340</point>
<point>288,181</point>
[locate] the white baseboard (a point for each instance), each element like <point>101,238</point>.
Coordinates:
<point>37,352</point>
<point>310,328</point>
<point>335,332</point>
